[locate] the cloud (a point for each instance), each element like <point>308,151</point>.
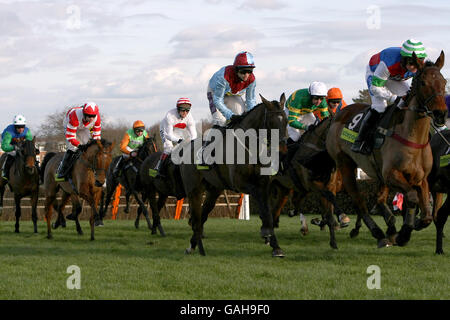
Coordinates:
<point>263,4</point>
<point>217,41</point>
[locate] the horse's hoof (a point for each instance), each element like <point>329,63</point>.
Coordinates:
<point>54,225</point>
<point>384,243</point>
<point>63,224</point>
<point>136,224</point>
<point>98,223</point>
<point>439,251</point>
<point>188,251</point>
<point>316,221</point>
<point>304,232</point>
<point>80,233</point>
<point>292,213</point>
<point>49,236</point>
<point>92,238</point>
<point>278,253</point>
<point>16,231</point>
<point>333,245</point>
<point>354,233</point>
<point>71,216</point>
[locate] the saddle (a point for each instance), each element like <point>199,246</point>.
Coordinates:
<point>378,133</point>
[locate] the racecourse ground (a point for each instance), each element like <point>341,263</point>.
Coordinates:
<point>125,263</point>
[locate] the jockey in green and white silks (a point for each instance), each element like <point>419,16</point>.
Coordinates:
<point>300,108</point>
<point>386,76</point>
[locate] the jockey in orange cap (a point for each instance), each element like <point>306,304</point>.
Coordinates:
<point>335,100</point>
<point>131,141</point>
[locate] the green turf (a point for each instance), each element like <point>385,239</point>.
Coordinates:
<point>125,263</point>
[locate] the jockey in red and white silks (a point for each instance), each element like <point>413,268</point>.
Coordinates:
<point>174,128</point>
<point>80,129</point>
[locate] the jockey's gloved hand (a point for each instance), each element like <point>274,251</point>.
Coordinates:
<point>82,147</point>
<point>180,141</point>
<point>399,102</point>
<point>133,154</point>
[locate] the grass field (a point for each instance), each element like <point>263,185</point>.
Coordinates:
<point>125,263</point>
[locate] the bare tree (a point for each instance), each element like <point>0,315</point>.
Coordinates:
<point>363,97</point>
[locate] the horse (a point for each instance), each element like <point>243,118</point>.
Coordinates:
<point>86,181</point>
<point>165,185</point>
<point>310,169</point>
<point>439,181</point>
<point>403,161</point>
<point>129,178</point>
<point>242,176</point>
<point>24,179</point>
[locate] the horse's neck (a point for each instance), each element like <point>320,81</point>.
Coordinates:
<point>413,127</point>
<point>255,121</point>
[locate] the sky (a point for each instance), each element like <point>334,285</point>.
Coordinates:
<point>135,58</point>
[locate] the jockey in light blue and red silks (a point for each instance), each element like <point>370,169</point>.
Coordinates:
<point>80,125</point>
<point>227,86</point>
<point>386,76</point>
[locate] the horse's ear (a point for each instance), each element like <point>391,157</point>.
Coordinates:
<point>34,139</point>
<point>99,143</point>
<point>282,101</point>
<point>264,100</point>
<point>440,61</point>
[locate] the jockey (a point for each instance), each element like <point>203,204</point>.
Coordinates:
<point>335,100</point>
<point>10,136</point>
<point>80,125</point>
<point>173,129</point>
<point>226,87</point>
<point>131,141</point>
<point>385,77</point>
<point>300,108</point>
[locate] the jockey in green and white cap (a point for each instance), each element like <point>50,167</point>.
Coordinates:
<point>385,77</point>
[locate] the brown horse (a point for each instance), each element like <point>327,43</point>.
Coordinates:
<point>242,177</point>
<point>404,160</point>
<point>310,170</point>
<point>87,178</point>
<point>24,179</point>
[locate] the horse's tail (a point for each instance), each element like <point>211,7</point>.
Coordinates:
<point>47,158</point>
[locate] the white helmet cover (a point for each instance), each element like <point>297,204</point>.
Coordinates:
<point>19,120</point>
<point>317,88</point>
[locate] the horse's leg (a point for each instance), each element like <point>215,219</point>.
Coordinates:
<point>266,216</point>
<point>441,218</point>
<point>156,217</point>
<point>49,201</point>
<point>278,197</point>
<point>142,208</point>
<point>76,209</point>
<point>34,203</point>
<point>195,208</point>
<point>426,215</point>
<point>350,185</point>
<point>18,211</point>
<point>60,208</point>
<point>208,205</point>
<point>127,201</point>
<point>2,192</point>
<point>387,214</point>
<point>327,211</point>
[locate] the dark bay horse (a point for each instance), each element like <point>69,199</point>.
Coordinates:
<point>243,177</point>
<point>439,181</point>
<point>311,169</point>
<point>87,178</point>
<point>404,160</point>
<point>168,183</point>
<point>129,179</point>
<point>24,179</point>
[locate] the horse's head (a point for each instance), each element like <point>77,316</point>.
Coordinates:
<point>147,148</point>
<point>99,155</point>
<point>275,119</point>
<point>428,87</point>
<point>26,152</point>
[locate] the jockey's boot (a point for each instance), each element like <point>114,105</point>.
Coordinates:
<point>118,168</point>
<point>65,165</point>
<point>159,164</point>
<point>361,144</point>
<point>7,166</point>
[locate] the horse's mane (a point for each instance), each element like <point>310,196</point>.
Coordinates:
<point>104,142</point>
<point>239,118</point>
